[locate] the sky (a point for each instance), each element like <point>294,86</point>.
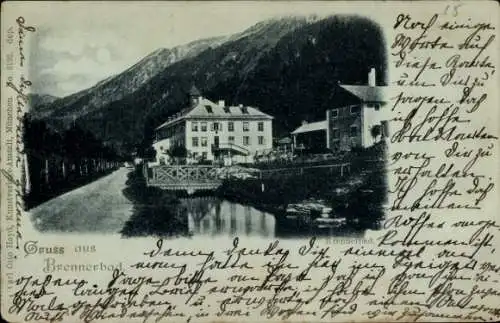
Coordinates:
<point>77,45</point>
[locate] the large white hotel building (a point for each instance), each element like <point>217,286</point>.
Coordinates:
<point>215,131</point>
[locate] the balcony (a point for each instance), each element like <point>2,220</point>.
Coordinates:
<point>230,147</point>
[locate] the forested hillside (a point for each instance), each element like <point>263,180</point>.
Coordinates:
<point>287,67</point>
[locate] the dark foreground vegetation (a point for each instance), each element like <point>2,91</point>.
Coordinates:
<point>59,161</point>
<point>156,212</point>
<point>358,196</point>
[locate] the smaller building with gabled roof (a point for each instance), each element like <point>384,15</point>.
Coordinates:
<point>361,122</point>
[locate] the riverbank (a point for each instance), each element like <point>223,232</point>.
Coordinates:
<point>156,212</point>
<point>358,196</point>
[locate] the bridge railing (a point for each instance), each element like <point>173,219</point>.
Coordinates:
<point>340,169</point>
<point>181,174</point>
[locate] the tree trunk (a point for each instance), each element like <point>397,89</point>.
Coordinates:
<point>46,171</point>
<point>64,169</point>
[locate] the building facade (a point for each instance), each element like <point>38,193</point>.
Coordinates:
<point>215,132</point>
<point>360,123</point>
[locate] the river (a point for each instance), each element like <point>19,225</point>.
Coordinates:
<point>211,216</point>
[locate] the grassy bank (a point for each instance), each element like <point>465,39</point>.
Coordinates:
<point>360,203</point>
<point>358,196</point>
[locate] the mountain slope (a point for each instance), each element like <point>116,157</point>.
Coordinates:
<point>287,67</point>
<point>37,100</point>
<point>116,87</point>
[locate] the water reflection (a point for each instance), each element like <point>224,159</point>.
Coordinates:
<point>210,216</point>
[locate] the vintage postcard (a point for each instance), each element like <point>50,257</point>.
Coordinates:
<point>250,161</point>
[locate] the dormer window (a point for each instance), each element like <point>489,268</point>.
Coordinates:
<point>209,109</point>
<point>227,110</point>
<point>244,110</point>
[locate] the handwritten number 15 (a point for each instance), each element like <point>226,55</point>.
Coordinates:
<point>454,8</point>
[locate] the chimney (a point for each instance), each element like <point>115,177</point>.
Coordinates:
<point>222,103</point>
<point>372,77</point>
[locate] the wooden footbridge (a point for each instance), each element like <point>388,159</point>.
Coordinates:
<point>183,177</point>
<point>193,178</point>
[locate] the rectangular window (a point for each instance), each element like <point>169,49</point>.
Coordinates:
<point>204,155</point>
<point>195,141</point>
<point>335,113</point>
<point>204,141</point>
<point>335,133</point>
<point>377,107</point>
<point>246,126</point>
<point>209,109</point>
<point>230,126</point>
<point>354,109</point>
<point>215,126</point>
<point>260,126</point>
<point>246,140</point>
<point>230,139</point>
<point>261,140</point>
<point>204,127</point>
<point>354,131</point>
<point>194,126</point>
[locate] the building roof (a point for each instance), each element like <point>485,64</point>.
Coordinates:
<point>367,93</point>
<point>285,140</point>
<point>313,126</point>
<point>206,109</point>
